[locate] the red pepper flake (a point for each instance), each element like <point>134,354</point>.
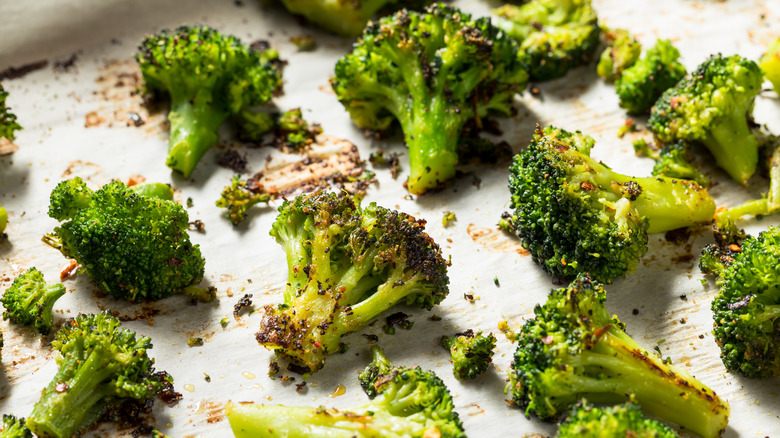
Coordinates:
<point>69,271</point>
<point>547,340</point>
<point>734,247</point>
<point>61,387</point>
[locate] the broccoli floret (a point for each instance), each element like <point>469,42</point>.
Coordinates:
<point>620,421</point>
<point>237,200</point>
<point>208,77</point>
<point>253,125</point>
<point>8,124</point>
<point>712,106</point>
<point>132,246</point>
<point>347,18</point>
<point>471,353</point>
<point>643,83</point>
<point>622,52</point>
<point>575,214</point>
<point>293,132</point>
<point>557,35</point>
<point>746,309</point>
<point>346,266</point>
<point>14,428</point>
<point>672,160</point>
<point>30,300</point>
<point>572,349</point>
<point>100,364</point>
<point>433,72</point>
<point>770,64</point>
<point>407,402</point>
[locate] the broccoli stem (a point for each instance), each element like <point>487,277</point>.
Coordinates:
<point>734,147</point>
<point>46,301</point>
<point>432,138</point>
<point>194,130</point>
<point>154,190</point>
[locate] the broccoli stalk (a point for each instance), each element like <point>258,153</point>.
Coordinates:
<point>238,200</point>
<point>30,300</point>
<point>770,64</point>
<point>572,349</point>
<point>100,363</point>
<point>624,420</point>
<point>14,428</point>
<point>575,214</point>
<point>433,72</point>
<point>471,353</point>
<point>346,266</point>
<point>8,124</point>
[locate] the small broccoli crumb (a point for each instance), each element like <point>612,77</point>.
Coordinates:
<point>304,42</point>
<point>224,321</point>
<point>189,203</point>
<point>379,159</point>
<point>471,353</point>
<point>448,219</point>
<point>495,281</point>
<point>399,319</point>
<point>195,342</point>
<point>629,126</point>
<point>207,378</point>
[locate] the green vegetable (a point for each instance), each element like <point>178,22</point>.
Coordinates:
<point>30,300</point>
<point>643,83</point>
<point>3,219</point>
<point>770,64</point>
<point>471,353</point>
<point>8,124</point>
<point>621,421</point>
<point>14,428</point>
<point>622,52</point>
<point>672,160</point>
<point>238,200</point>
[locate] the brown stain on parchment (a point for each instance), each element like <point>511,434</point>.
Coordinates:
<point>495,240</point>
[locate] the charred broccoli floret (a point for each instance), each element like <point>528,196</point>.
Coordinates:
<point>134,247</point>
<point>572,349</point>
<point>770,64</point>
<point>100,364</point>
<point>643,83</point>
<point>712,106</point>
<point>622,52</point>
<point>30,300</point>
<point>747,308</point>
<point>408,402</point>
<point>14,428</point>
<point>208,78</point>
<point>672,160</point>
<point>471,353</point>
<point>557,35</point>
<point>576,215</point>
<point>620,421</point>
<point>346,266</point>
<point>237,200</point>
<point>433,72</point>
<point>8,124</point>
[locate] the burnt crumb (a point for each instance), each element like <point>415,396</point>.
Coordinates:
<point>684,297</point>
<point>476,182</point>
<point>167,394</point>
<point>372,339</point>
<point>273,369</point>
<point>64,66</point>
<point>18,72</point>
<point>238,3</point>
<point>635,312</point>
<point>244,302</point>
<point>135,119</point>
<point>298,369</point>
<point>535,91</point>
<point>682,320</point>
<point>378,159</point>
<point>701,336</point>
<point>399,319</point>
<point>130,413</point>
<point>469,297</point>
<point>260,45</point>
<point>231,159</point>
<point>300,387</point>
<point>142,430</point>
<point>198,225</point>
<point>435,317</point>
<point>678,236</point>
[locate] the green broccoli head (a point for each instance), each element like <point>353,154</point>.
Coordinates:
<point>346,266</point>
<point>747,308</point>
<point>100,364</point>
<point>407,402</point>
<point>134,247</point>
<point>471,353</point>
<point>30,300</point>
<point>770,64</point>
<point>712,106</point>
<point>208,77</point>
<point>557,35</point>
<point>14,428</point>
<point>624,420</point>
<point>622,52</point>
<point>8,124</point>
<point>572,349</point>
<point>643,83</point>
<point>237,199</point>
<point>433,72</point>
<point>576,215</point>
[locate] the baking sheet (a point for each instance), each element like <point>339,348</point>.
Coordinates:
<point>55,105</point>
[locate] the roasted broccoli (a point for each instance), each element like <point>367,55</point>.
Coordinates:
<point>407,402</point>
<point>237,200</point>
<point>770,64</point>
<point>30,300</point>
<point>557,35</point>
<point>471,353</point>
<point>572,349</point>
<point>14,428</point>
<point>208,77</point>
<point>100,364</point>
<point>643,83</point>
<point>346,266</point>
<point>620,421</point>
<point>747,308</point>
<point>672,160</point>
<point>3,219</point>
<point>8,124</point>
<point>253,125</point>
<point>293,132</point>
<point>712,106</point>
<point>433,72</point>
<point>622,52</point>
<point>576,215</point>
<point>134,247</point>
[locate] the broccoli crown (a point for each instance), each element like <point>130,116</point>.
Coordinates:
<point>14,428</point>
<point>620,421</point>
<point>8,124</point>
<point>378,367</point>
<point>238,200</point>
<point>134,247</point>
<point>622,52</point>
<point>100,364</point>
<point>208,77</point>
<point>433,72</point>
<point>770,64</point>
<point>747,308</point>
<point>643,83</point>
<point>711,106</point>
<point>471,353</point>
<point>30,300</point>
<point>572,349</point>
<point>346,266</point>
<point>557,35</point>
<point>575,214</point>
